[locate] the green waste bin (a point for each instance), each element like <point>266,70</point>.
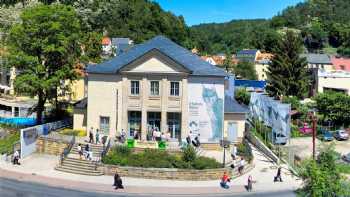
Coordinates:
<point>131,143</point>
<point>162,145</point>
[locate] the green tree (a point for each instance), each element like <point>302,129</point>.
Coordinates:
<point>321,177</point>
<point>287,74</point>
<point>245,70</point>
<point>334,106</point>
<point>45,47</point>
<point>242,96</point>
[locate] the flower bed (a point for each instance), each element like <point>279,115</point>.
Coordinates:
<point>154,158</point>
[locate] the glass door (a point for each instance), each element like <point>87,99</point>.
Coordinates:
<point>104,125</point>
<point>174,126</point>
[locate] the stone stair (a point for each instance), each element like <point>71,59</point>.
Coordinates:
<point>73,164</point>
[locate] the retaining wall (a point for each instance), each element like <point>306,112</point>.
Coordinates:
<point>50,146</point>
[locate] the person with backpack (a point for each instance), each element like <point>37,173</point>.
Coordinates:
<point>118,183</point>
<point>91,135</point>
<point>224,181</point>
<point>250,183</point>
<point>278,177</point>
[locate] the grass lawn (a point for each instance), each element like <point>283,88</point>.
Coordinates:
<point>344,168</point>
<point>6,144</point>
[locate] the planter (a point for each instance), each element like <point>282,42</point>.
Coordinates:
<point>130,143</point>
<point>162,145</point>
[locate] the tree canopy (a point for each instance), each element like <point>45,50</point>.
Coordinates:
<point>46,47</point>
<point>287,74</point>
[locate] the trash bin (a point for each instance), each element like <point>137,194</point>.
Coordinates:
<point>161,145</point>
<point>131,143</point>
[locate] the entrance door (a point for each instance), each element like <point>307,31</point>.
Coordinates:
<point>153,123</point>
<point>174,127</point>
<point>232,131</point>
<point>134,118</point>
<point>104,125</point>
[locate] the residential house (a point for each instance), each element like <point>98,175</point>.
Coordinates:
<point>121,45</point>
<point>341,63</point>
<point>159,85</point>
<point>263,60</point>
<point>248,55</point>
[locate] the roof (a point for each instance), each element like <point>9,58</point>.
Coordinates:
<point>250,83</point>
<point>341,63</point>
<point>247,52</point>
<point>313,58</point>
<point>116,41</point>
<point>180,55</point>
<point>106,41</point>
<point>232,106</point>
<point>82,104</point>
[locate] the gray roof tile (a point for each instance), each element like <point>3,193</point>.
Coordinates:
<point>314,58</point>
<point>192,62</point>
<point>232,106</point>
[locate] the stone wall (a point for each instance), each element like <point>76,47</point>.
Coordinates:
<point>171,173</point>
<point>50,146</point>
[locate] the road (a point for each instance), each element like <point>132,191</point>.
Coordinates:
<point>14,188</point>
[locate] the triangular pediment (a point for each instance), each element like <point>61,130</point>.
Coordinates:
<point>154,62</point>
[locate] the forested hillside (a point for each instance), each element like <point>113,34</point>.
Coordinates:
<point>324,25</point>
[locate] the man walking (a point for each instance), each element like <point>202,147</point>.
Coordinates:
<point>97,136</point>
<point>278,177</point>
<point>91,135</point>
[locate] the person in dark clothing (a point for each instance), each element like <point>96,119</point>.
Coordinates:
<point>118,183</point>
<point>91,136</point>
<point>278,177</point>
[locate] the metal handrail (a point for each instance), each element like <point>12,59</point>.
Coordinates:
<point>67,150</point>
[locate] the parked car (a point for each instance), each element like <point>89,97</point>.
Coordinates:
<point>327,136</point>
<point>346,157</point>
<point>341,135</point>
<point>279,138</point>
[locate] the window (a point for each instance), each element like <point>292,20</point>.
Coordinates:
<point>135,87</point>
<point>104,125</point>
<point>174,88</point>
<point>154,88</point>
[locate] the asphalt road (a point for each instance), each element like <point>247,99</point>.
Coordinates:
<point>14,188</point>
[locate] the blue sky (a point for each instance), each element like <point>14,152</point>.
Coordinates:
<point>206,11</point>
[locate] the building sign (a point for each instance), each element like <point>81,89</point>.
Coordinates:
<point>206,110</point>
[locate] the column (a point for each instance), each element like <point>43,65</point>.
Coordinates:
<point>12,111</point>
<point>164,105</point>
<point>124,106</point>
<point>184,108</point>
<point>144,98</point>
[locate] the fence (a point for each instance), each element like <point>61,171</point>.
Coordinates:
<point>30,135</point>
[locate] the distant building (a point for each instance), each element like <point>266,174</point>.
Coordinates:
<point>341,63</point>
<point>263,60</point>
<point>121,45</point>
<point>248,55</point>
<point>337,80</point>
<point>106,46</point>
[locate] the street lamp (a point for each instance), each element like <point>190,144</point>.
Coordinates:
<point>312,115</point>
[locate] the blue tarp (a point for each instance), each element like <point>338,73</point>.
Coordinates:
<point>250,83</point>
<point>18,121</point>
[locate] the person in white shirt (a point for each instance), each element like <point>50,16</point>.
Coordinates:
<point>158,135</point>
<point>16,158</point>
<point>80,152</point>
<point>163,137</point>
<point>241,166</point>
<point>234,152</point>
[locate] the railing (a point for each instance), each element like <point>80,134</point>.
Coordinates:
<point>67,150</point>
<point>103,153</point>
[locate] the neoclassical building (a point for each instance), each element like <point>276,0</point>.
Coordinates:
<point>159,85</point>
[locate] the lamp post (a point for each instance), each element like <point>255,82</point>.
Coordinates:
<point>313,117</point>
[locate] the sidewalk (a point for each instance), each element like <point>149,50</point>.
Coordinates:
<point>40,169</point>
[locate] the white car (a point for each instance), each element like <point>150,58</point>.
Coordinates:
<point>346,158</point>
<point>341,135</point>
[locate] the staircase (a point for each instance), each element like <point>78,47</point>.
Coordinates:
<point>73,164</point>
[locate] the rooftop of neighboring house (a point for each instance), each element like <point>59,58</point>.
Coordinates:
<point>106,41</point>
<point>180,55</point>
<point>313,58</point>
<point>264,56</point>
<point>341,63</point>
<point>232,106</point>
<point>121,44</point>
<point>247,52</point>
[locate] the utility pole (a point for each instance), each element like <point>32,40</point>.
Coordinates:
<point>314,125</point>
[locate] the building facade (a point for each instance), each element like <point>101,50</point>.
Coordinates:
<point>158,86</point>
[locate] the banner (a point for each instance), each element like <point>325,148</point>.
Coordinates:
<point>273,113</point>
<point>30,135</point>
<point>206,109</point>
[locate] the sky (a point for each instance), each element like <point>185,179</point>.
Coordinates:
<point>207,11</point>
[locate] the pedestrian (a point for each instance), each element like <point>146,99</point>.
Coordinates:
<point>87,151</point>
<point>91,135</point>
<point>234,152</point>
<point>118,183</point>
<point>241,166</point>
<point>250,183</point>
<point>163,137</point>
<point>80,151</point>
<point>16,158</point>
<point>224,181</point>
<point>158,135</point>
<point>278,177</point>
<point>97,137</point>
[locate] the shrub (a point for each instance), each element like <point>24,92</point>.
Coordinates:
<point>205,163</point>
<point>245,151</point>
<point>155,158</point>
<point>6,144</point>
<point>71,132</point>
<point>189,154</point>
